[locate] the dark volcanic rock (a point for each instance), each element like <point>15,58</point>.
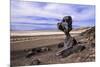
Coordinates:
<point>38,50</point>
<point>32,52</point>
<point>92,45</point>
<point>35,51</point>
<point>69,51</point>
<point>74,42</point>
<point>79,42</point>
<point>60,45</point>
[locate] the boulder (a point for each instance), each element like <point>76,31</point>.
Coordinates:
<point>69,51</point>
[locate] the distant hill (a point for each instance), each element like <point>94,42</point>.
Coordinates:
<point>88,32</point>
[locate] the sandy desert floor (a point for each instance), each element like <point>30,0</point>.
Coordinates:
<point>21,44</point>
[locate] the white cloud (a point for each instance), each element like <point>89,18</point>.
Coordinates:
<point>26,9</point>
<point>19,9</point>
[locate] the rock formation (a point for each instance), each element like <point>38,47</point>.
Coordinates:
<point>69,42</point>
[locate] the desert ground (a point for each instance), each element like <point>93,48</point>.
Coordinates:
<point>40,47</point>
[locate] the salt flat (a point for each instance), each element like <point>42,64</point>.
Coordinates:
<point>36,33</point>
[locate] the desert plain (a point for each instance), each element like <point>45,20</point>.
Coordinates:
<point>25,42</point>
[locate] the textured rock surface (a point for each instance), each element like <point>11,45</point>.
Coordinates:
<point>66,27</point>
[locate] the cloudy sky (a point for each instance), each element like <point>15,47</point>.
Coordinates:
<point>45,16</point>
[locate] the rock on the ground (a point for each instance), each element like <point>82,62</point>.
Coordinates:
<point>92,45</point>
<point>35,62</point>
<point>60,45</point>
<point>69,51</point>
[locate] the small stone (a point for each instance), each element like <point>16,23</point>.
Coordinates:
<point>60,45</point>
<point>92,45</point>
<point>74,42</point>
<point>38,50</point>
<point>80,48</point>
<point>79,42</point>
<point>30,54</point>
<point>43,49</point>
<point>35,62</point>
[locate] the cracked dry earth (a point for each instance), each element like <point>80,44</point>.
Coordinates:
<point>18,58</point>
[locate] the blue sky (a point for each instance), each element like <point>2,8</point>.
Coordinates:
<point>45,16</point>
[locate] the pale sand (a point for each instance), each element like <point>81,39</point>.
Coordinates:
<point>36,33</point>
<point>38,38</point>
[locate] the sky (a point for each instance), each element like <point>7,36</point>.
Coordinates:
<point>45,16</point>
